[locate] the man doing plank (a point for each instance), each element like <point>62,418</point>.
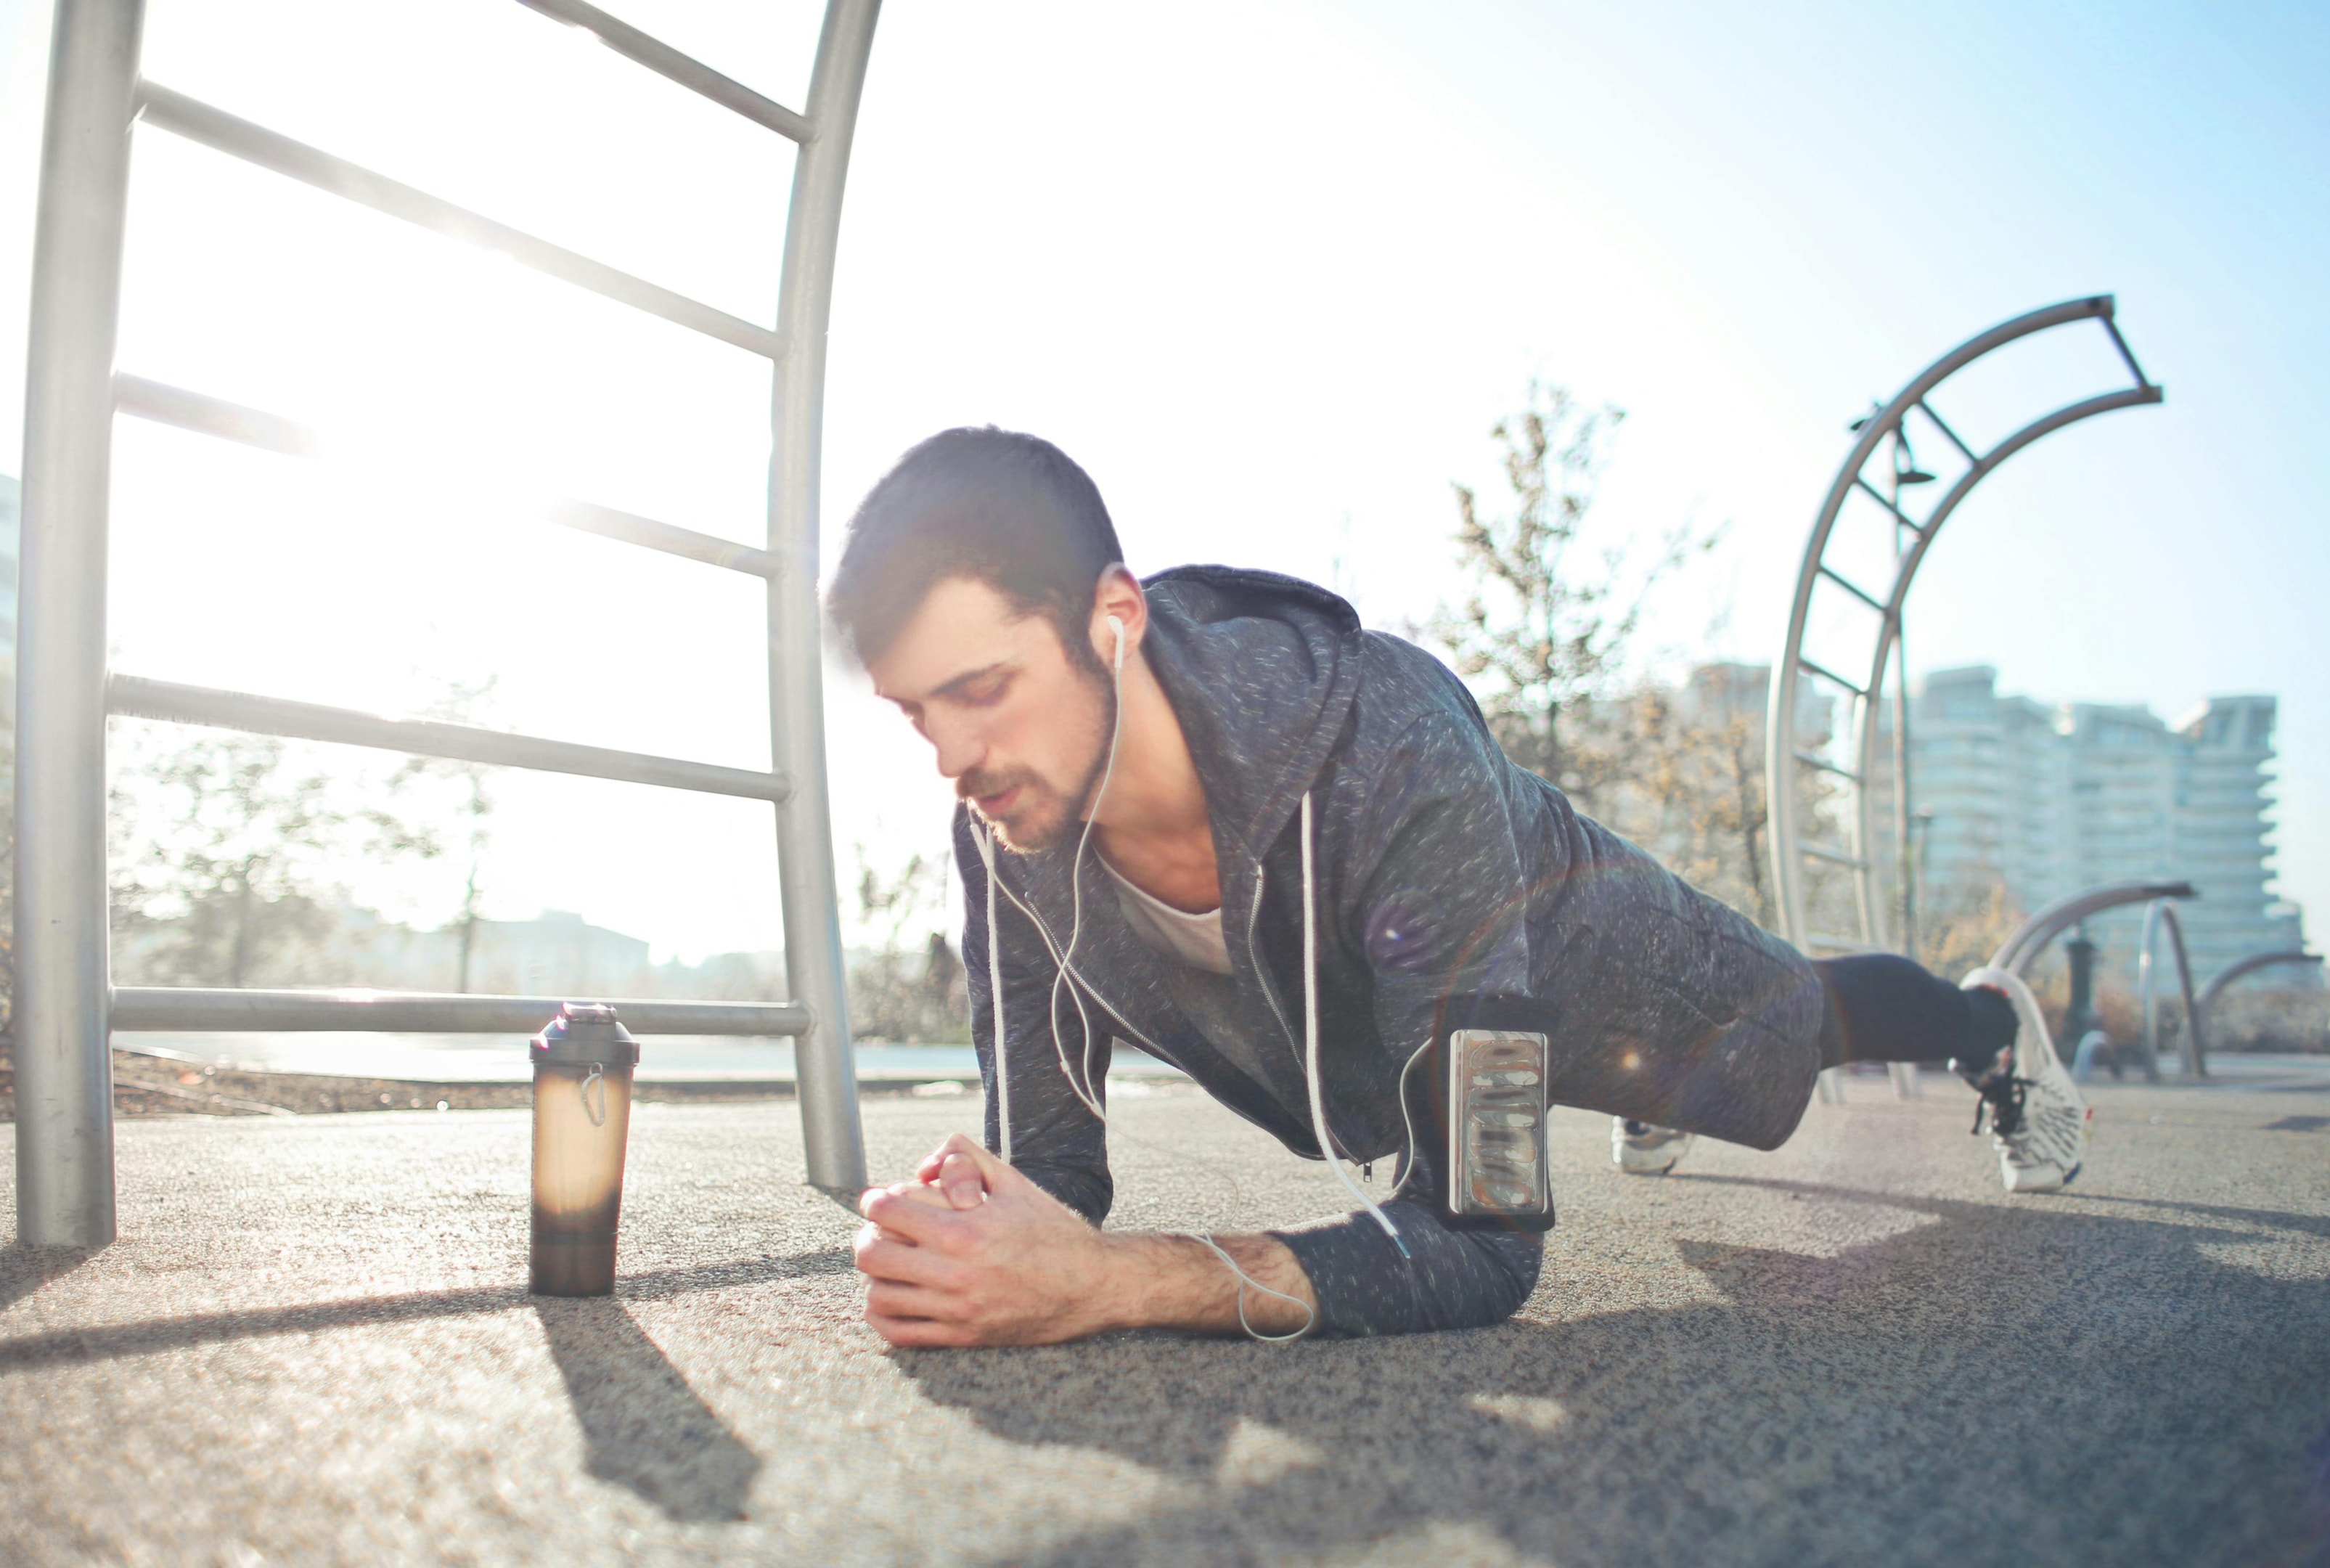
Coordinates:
<point>1211,814</point>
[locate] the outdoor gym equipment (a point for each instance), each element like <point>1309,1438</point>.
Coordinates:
<point>2251,965</point>
<point>1864,688</point>
<point>66,1005</point>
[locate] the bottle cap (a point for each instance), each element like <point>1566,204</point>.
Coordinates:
<point>584,1032</point>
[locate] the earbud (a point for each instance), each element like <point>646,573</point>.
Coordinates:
<point>1117,626</point>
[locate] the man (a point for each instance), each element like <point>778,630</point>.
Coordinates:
<point>1211,815</point>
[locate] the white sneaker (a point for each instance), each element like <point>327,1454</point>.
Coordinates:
<point>1639,1149</point>
<point>2038,1122</point>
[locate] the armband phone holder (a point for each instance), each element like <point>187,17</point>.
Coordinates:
<point>1497,1156</point>
<point>1488,1075</point>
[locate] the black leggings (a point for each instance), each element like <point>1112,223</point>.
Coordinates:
<point>1881,1007</point>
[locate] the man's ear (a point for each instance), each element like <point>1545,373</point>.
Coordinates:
<point>1118,596</point>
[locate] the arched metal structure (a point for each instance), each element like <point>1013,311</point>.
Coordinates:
<point>2251,965</point>
<point>2197,1009</point>
<point>1863,689</point>
<point>2192,1050</point>
<point>2022,950</point>
<point>65,1002</point>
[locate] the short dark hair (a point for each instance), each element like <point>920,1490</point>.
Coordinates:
<point>1009,510</point>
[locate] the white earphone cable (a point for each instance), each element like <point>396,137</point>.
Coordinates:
<point>1248,1282</point>
<point>1090,1094</point>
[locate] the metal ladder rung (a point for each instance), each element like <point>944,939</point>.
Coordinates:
<point>136,697</point>
<point>255,144</point>
<point>173,1007</point>
<point>2127,354</point>
<point>1814,759</point>
<point>666,61</point>
<point>590,518</point>
<point>1939,423</point>
<point>1825,673</point>
<point>207,415</point>
<point>1854,588</point>
<point>1908,522</point>
<point>1831,853</point>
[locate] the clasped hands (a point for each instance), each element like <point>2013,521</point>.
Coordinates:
<point>972,1252</point>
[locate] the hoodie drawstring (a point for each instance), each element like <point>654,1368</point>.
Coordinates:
<point>1311,1035</point>
<point>979,836</point>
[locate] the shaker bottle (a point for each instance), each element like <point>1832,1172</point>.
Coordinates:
<point>583,1065</point>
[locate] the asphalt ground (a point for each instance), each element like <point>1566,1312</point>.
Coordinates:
<point>313,1345</point>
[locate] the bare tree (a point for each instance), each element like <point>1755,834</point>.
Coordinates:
<point>472,804</point>
<point>905,991</point>
<point>1543,637</point>
<point>1695,793</point>
<point>223,854</point>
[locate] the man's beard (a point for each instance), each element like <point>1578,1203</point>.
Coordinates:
<point>1045,817</point>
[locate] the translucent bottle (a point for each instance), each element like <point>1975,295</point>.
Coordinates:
<point>583,1064</point>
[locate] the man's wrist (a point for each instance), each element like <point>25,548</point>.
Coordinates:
<point>1164,1281</point>
<point>1135,1276</point>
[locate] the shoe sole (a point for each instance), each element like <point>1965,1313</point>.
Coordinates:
<point>2065,1179</point>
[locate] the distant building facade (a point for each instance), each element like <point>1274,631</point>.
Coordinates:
<point>2050,800</point>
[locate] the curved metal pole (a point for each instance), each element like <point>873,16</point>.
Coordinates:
<point>2191,1054</point>
<point>831,1136</point>
<point>2251,965</point>
<point>2020,951</point>
<point>1890,628</point>
<point>64,1068</point>
<point>1782,753</point>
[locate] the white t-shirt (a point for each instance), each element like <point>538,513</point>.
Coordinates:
<point>1195,940</point>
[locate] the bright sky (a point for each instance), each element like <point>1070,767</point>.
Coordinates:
<point>1269,270</point>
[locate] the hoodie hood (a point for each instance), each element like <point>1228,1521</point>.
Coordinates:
<point>1261,671</point>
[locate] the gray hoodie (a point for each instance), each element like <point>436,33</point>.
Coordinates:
<point>1442,873</point>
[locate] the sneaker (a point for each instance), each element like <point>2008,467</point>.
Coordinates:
<point>1641,1149</point>
<point>2038,1122</point>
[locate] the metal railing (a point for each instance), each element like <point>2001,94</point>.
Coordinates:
<point>1862,688</point>
<point>65,1005</point>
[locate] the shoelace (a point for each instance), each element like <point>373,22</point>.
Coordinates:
<point>2001,1095</point>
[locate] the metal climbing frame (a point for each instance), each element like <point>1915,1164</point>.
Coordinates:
<point>1864,688</point>
<point>65,1002</point>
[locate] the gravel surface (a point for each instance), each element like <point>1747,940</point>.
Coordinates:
<point>313,1345</point>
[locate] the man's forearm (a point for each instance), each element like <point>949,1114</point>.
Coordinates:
<point>1162,1280</point>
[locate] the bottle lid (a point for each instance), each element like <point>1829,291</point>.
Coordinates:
<point>584,1032</point>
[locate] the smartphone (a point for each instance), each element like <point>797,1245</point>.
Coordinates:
<point>1497,1155</point>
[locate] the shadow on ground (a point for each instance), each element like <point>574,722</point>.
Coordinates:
<point>1994,1384</point>
<point>25,1270</point>
<point>642,1426</point>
